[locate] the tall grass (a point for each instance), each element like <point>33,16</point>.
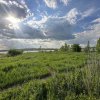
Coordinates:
<point>50,76</point>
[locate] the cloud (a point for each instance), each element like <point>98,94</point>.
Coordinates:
<point>25,32</point>
<point>87,13</point>
<point>55,24</point>
<point>54,3</point>
<point>3,2</point>
<point>65,1</point>
<point>29,43</point>
<point>51,3</point>
<point>72,16</point>
<point>87,35</point>
<point>96,20</point>
<point>57,28</point>
<point>10,8</point>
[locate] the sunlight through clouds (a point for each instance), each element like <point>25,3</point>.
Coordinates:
<point>14,21</point>
<point>2,1</point>
<point>71,21</point>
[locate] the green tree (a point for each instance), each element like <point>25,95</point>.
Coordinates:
<point>98,45</point>
<point>87,48</point>
<point>76,48</point>
<point>65,47</point>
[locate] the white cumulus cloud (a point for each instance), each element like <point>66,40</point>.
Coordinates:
<point>87,13</point>
<point>90,35</point>
<point>96,20</point>
<point>65,1</point>
<point>29,43</point>
<point>51,3</point>
<point>72,16</point>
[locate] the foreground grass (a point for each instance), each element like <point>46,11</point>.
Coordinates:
<point>50,76</point>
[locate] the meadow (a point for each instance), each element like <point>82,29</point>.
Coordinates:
<point>50,76</point>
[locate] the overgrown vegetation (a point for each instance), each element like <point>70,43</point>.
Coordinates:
<point>76,48</point>
<point>65,47</point>
<point>50,76</point>
<point>65,74</point>
<point>14,52</point>
<point>73,48</point>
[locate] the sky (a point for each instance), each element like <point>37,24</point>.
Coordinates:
<point>48,23</point>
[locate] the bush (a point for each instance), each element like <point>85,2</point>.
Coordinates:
<point>14,52</point>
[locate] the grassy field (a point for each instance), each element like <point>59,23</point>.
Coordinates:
<point>50,76</point>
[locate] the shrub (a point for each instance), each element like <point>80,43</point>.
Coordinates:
<point>14,52</point>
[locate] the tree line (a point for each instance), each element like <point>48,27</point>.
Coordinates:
<point>65,47</point>
<point>78,48</point>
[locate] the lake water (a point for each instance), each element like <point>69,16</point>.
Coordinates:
<point>5,52</point>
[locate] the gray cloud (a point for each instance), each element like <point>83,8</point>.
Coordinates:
<point>58,28</point>
<point>89,35</point>
<point>12,7</point>
<point>50,28</point>
<point>29,32</point>
<point>29,43</point>
<point>7,8</point>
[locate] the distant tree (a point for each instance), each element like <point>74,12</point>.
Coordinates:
<point>62,48</point>
<point>65,47</point>
<point>40,48</point>
<point>98,45</point>
<point>76,48</point>
<point>87,48</point>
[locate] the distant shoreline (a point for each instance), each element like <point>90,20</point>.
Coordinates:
<point>28,50</point>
